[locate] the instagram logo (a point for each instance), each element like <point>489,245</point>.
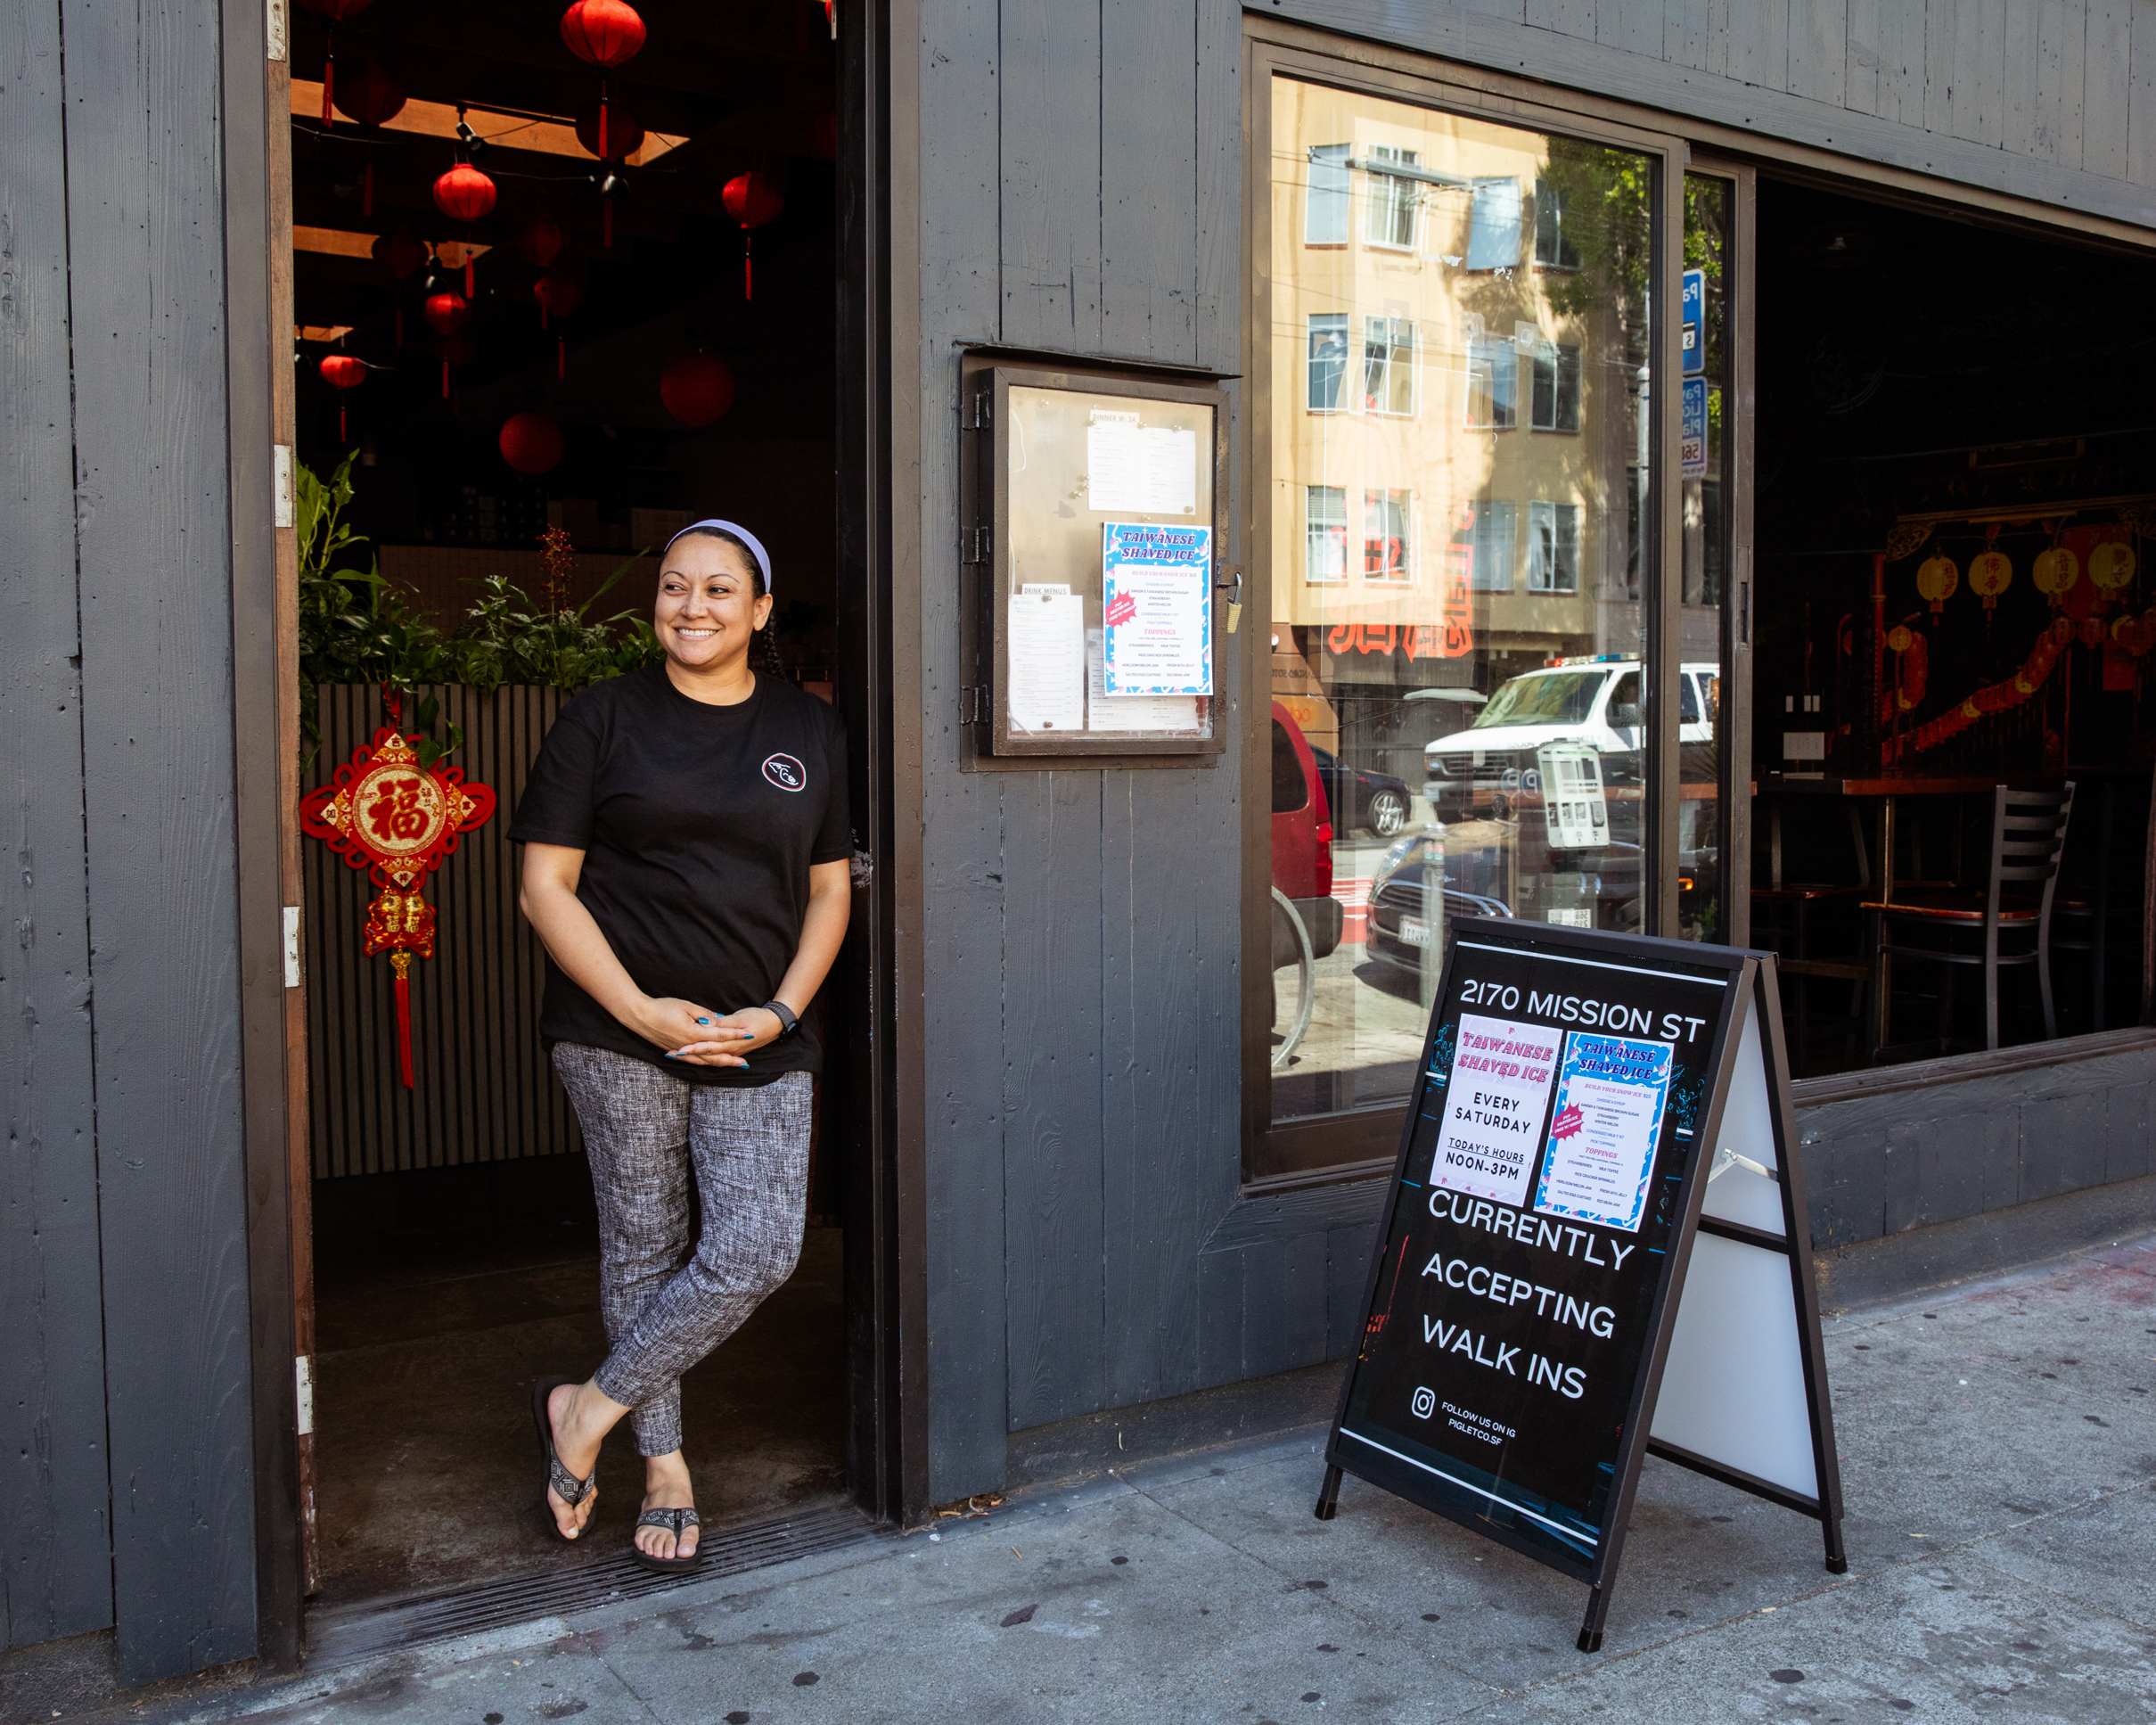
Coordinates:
<point>1424,1404</point>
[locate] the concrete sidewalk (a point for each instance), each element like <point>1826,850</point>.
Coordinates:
<point>1999,1460</point>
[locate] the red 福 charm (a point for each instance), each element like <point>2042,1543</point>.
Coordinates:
<point>382,811</point>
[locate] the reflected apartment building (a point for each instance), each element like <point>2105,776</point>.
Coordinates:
<point>1457,475</point>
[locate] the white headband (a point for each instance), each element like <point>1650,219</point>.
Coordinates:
<point>755,545</point>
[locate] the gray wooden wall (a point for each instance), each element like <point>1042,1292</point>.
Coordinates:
<point>1080,192</point>
<point>1080,186</point>
<point>124,1375</point>
<point>2054,100</point>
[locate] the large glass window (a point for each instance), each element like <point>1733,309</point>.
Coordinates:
<point>1486,642</point>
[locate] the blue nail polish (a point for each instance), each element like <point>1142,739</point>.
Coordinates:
<point>703,1021</point>
<point>673,1057</point>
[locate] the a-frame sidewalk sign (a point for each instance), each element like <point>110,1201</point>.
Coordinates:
<point>1594,1248</point>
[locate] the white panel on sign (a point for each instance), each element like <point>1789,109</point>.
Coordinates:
<point>1736,1193</point>
<point>1732,1389</point>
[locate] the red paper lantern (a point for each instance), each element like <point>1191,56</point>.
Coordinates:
<point>751,200</point>
<point>336,12</point>
<point>531,442</point>
<point>624,133</point>
<point>342,372</point>
<point>400,253</point>
<point>697,387</point>
<point>447,313</point>
<point>463,193</point>
<point>369,94</point>
<point>606,33</point>
<point>557,296</point>
<point>602,32</point>
<point>541,241</point>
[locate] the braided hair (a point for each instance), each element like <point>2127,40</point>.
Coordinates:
<point>764,655</point>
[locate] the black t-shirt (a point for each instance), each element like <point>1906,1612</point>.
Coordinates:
<point>698,826</point>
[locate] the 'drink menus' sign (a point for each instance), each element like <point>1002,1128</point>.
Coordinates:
<point>1546,1198</point>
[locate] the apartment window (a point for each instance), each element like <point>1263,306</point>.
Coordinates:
<point>1553,247</point>
<point>1556,406</point>
<point>1325,532</point>
<point>1385,536</point>
<point>1493,225</point>
<point>1325,220</point>
<point>1388,215</point>
<point>1553,547</point>
<point>1328,360</point>
<point>1388,365</point>
<point>1493,384</point>
<point>1495,523</point>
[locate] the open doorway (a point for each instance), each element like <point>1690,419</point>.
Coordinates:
<point>1956,481</point>
<point>560,286</point>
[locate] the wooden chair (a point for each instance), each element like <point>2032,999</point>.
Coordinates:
<point>2028,838</point>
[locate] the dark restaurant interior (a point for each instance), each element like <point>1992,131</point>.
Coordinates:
<point>519,318</point>
<point>1953,480</point>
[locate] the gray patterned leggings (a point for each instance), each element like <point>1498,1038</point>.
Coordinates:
<point>665,1307</point>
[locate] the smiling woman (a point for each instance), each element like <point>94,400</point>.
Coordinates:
<point>687,856</point>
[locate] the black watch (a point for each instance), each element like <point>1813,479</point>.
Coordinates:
<point>787,1022</point>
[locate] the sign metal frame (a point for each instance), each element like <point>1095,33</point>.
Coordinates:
<point>1747,981</point>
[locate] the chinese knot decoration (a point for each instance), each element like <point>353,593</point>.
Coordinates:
<point>382,811</point>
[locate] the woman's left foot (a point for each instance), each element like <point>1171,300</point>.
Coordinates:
<point>667,1531</point>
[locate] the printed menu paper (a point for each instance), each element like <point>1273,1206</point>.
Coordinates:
<point>1047,645</point>
<point>1174,713</point>
<point>1142,470</point>
<point>1610,1093</point>
<point>1495,1100</point>
<point>1156,601</point>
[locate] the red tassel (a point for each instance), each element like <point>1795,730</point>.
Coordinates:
<point>340,419</point>
<point>748,277</point>
<point>402,963</point>
<point>603,125</point>
<point>469,293</point>
<point>329,80</point>
<point>367,190</point>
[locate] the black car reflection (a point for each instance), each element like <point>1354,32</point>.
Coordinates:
<point>1377,802</point>
<point>1604,893</point>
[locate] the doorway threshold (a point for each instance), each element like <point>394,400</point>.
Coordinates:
<point>343,1635</point>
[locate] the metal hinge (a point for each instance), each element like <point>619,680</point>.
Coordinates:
<point>984,410</point>
<point>972,703</point>
<point>291,946</point>
<point>277,30</point>
<point>285,503</point>
<point>303,1385</point>
<point>983,545</point>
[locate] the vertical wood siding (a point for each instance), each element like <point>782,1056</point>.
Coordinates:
<point>1080,192</point>
<point>152,556</point>
<point>483,1090</point>
<point>55,1537</point>
<point>2054,100</point>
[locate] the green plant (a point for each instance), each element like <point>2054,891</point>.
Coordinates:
<point>507,637</point>
<point>354,626</point>
<point>357,627</point>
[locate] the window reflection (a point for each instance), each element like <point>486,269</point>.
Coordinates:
<point>1457,707</point>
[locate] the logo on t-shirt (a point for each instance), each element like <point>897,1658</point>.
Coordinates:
<point>785,772</point>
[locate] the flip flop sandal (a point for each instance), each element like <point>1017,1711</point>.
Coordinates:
<point>571,1489</point>
<point>674,1520</point>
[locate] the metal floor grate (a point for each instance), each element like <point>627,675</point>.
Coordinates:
<point>343,1634</point>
